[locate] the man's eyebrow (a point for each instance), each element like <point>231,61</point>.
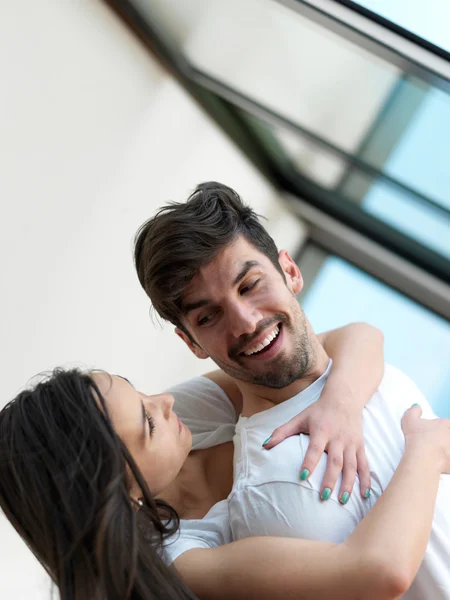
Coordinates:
<point>249,264</point>
<point>190,306</point>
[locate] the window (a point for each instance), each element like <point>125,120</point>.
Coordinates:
<point>416,340</point>
<point>418,158</point>
<point>428,20</point>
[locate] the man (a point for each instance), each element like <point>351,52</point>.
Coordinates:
<point>166,260</point>
<point>211,269</point>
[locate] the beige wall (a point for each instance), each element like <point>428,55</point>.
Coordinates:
<point>94,137</point>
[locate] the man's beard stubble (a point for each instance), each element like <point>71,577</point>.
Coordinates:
<point>287,370</point>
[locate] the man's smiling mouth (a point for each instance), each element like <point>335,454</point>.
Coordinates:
<point>265,344</point>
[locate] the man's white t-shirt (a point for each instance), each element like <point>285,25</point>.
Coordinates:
<point>268,497</point>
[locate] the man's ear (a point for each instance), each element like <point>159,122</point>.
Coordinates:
<point>294,279</point>
<point>193,347</point>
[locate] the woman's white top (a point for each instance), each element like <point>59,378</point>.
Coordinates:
<point>206,410</point>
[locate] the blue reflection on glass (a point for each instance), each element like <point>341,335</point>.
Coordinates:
<point>421,157</point>
<point>421,160</point>
<point>416,340</point>
<point>429,20</point>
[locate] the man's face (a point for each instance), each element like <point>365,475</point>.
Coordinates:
<point>244,315</point>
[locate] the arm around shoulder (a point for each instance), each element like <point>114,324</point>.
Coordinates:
<point>358,358</point>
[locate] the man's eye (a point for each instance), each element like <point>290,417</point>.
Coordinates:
<point>204,320</point>
<point>207,318</point>
<point>248,288</point>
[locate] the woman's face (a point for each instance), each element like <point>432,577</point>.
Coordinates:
<point>147,425</point>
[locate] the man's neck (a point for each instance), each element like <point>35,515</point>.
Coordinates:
<point>257,398</point>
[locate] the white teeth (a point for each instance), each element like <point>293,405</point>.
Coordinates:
<point>264,343</point>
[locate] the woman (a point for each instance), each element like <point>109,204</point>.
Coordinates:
<point>64,486</point>
<point>80,453</point>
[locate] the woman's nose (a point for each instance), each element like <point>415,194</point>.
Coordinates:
<point>168,401</point>
<point>164,402</point>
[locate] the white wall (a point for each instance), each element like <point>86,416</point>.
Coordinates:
<point>93,138</point>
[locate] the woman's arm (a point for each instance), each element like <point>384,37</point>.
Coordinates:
<point>357,353</point>
<point>378,561</point>
<point>358,361</point>
<point>334,421</point>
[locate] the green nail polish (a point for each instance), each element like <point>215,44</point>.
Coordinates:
<point>268,440</point>
<point>304,474</point>
<point>326,494</point>
<point>367,493</point>
<point>415,404</point>
<point>344,498</point>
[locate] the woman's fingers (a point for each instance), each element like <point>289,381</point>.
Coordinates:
<point>343,442</point>
<point>348,475</point>
<point>410,417</point>
<point>350,461</point>
<point>365,483</point>
<point>335,465</point>
<point>292,427</point>
<point>316,448</point>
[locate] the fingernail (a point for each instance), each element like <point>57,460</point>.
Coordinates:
<point>367,493</point>
<point>415,404</point>
<point>304,474</point>
<point>326,494</point>
<point>267,441</point>
<point>344,498</point>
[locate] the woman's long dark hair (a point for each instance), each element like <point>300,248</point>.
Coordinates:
<point>63,486</point>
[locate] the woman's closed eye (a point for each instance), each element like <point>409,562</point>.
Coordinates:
<point>151,422</point>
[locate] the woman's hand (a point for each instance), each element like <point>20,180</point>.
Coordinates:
<point>334,426</point>
<point>429,434</point>
<point>334,422</point>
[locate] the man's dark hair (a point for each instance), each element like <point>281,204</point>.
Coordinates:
<point>183,237</point>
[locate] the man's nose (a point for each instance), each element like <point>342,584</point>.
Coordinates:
<point>243,320</point>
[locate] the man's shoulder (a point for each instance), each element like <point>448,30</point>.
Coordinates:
<point>397,387</point>
<point>394,377</point>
